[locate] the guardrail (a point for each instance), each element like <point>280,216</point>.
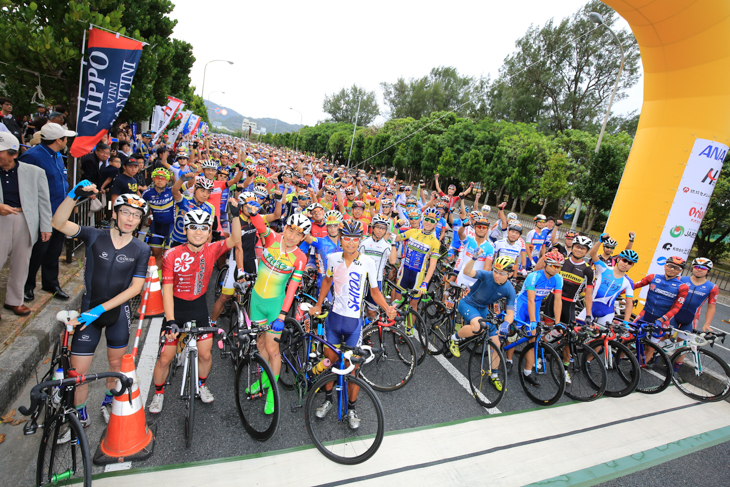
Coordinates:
<point>716,276</point>
<point>82,216</point>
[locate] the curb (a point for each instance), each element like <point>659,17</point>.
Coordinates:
<point>19,360</point>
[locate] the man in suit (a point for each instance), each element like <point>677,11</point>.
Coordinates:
<point>25,208</point>
<point>47,156</point>
<point>93,162</point>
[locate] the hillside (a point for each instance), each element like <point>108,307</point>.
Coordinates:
<point>232,120</point>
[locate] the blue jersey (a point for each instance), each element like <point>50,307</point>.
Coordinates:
<point>225,194</point>
<point>324,247</point>
<point>665,296</point>
<point>161,204</point>
<point>696,297</point>
<point>455,240</point>
<point>485,291</point>
<point>543,285</point>
<point>183,206</point>
<point>607,289</point>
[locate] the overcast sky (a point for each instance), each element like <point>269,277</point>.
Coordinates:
<point>291,54</point>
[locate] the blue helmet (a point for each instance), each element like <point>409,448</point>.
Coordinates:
<point>629,255</point>
<point>351,228</point>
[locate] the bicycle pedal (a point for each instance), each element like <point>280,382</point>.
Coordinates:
<point>294,407</point>
<point>30,428</point>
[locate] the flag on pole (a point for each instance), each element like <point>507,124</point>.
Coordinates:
<point>183,117</point>
<point>169,113</point>
<point>109,71</point>
<point>196,127</point>
<point>191,124</point>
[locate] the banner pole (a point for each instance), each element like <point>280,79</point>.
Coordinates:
<point>78,99</point>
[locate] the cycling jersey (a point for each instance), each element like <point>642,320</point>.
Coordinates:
<point>324,247</point>
<point>455,239</point>
<point>183,206</point>
<point>542,285</point>
<point>468,233</point>
<point>471,247</point>
<point>497,232</point>
<point>161,204</point>
<point>607,289</point>
<point>537,238</point>
<point>665,297</point>
<point>697,296</point>
<point>504,247</point>
<point>378,251</point>
<point>418,249</point>
<point>609,261</point>
<point>351,283</point>
<point>486,291</point>
<point>576,277</point>
<point>215,200</point>
<point>188,271</point>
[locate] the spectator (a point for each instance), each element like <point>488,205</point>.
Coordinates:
<point>7,119</point>
<point>127,182</point>
<point>93,162</point>
<point>125,148</point>
<point>38,123</point>
<point>41,112</point>
<point>57,117</point>
<point>25,208</point>
<point>110,173</point>
<point>45,254</point>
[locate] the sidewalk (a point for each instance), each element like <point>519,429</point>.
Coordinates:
<point>26,339</point>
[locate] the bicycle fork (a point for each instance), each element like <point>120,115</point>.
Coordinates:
<point>191,349</point>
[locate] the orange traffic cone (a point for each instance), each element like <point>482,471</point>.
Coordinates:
<point>127,437</point>
<point>154,299</point>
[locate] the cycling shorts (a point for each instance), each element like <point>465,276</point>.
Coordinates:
<point>522,313</point>
<point>188,311</point>
<point>469,312</point>
<point>164,230</point>
<point>567,314</point>
<point>369,299</point>
<point>265,310</point>
<point>409,279</point>
<point>84,341</point>
<point>343,329</point>
<point>601,320</point>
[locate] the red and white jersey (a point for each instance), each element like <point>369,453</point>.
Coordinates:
<point>189,272</point>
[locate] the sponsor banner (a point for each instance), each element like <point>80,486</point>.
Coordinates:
<point>109,70</point>
<point>690,203</point>
<point>182,116</point>
<point>170,111</point>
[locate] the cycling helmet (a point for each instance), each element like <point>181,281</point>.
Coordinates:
<point>475,214</point>
<point>302,182</point>
<point>486,209</point>
<point>516,226</point>
<point>349,190</point>
<point>209,165</point>
<point>258,191</point>
<point>131,200</point>
<point>504,263</point>
<point>225,154</point>
<point>381,220</point>
<point>204,183</point>
<point>330,189</point>
<point>358,204</point>
<point>351,228</point>
<point>222,170</point>
<point>445,198</point>
<point>584,241</point>
<point>630,255</point>
<point>333,217</point>
<point>676,261</point>
<point>703,261</point>
<point>296,175</point>
<point>286,174</point>
<point>314,206</point>
<point>431,212</point>
<point>303,195</point>
<point>411,200</point>
<point>511,216</point>
<point>571,234</point>
<point>261,180</point>
<point>386,202</point>
<point>610,243</point>
<point>197,217</point>
<point>251,167</point>
<point>540,217</point>
<point>481,220</point>
<point>554,258</point>
<point>249,159</point>
<point>300,223</point>
<point>245,197</point>
<point>183,155</point>
<point>161,171</point>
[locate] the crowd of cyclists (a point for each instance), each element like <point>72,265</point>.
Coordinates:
<point>281,215</point>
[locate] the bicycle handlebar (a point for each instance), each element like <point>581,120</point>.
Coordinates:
<point>356,360</point>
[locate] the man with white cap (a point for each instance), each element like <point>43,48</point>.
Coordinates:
<point>47,156</point>
<point>25,210</point>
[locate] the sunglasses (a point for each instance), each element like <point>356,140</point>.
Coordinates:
<point>541,221</point>
<point>673,267</point>
<point>701,268</point>
<point>430,220</point>
<point>481,227</point>
<point>350,239</point>
<point>608,248</point>
<point>627,261</point>
<point>330,193</point>
<point>414,218</point>
<point>569,238</point>
<point>260,197</point>
<point>203,228</point>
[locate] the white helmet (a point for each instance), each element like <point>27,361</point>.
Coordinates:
<point>380,219</point>
<point>259,191</point>
<point>204,183</point>
<point>333,217</point>
<point>511,216</point>
<point>486,209</point>
<point>299,221</point>
<point>584,241</point>
<point>131,200</point>
<point>245,197</point>
<point>197,217</point>
<point>209,165</point>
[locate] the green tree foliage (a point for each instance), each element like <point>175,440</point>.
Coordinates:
<point>342,106</point>
<point>711,240</point>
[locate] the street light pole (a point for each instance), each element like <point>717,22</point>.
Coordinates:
<point>352,142</point>
<point>296,145</point>
<point>202,90</point>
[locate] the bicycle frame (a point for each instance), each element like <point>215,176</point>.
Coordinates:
<point>525,339</point>
<point>190,345</point>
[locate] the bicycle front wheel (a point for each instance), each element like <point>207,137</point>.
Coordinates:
<point>416,327</point>
<point>487,373</point>
<point>219,280</point>
<point>436,316</point>
<point>189,396</point>
<point>331,431</point>
<point>393,367</point>
<point>585,376</point>
<point>546,383</point>
<point>296,355</point>
<point>259,413</point>
<point>621,365</point>
<point>655,373</point>
<point>65,462</point>
<point>703,376</point>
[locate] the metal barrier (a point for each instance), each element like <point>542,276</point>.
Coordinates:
<point>82,216</point>
<point>716,276</point>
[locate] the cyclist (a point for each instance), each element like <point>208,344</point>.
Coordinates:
<point>577,276</point>
<point>479,242</point>
<point>610,283</point>
<point>488,288</point>
<point>537,286</point>
<point>327,245</point>
<point>357,210</point>
<point>279,275</point>
<point>700,291</point>
<point>184,204</point>
<point>536,240</point>
<point>666,295</point>
<point>501,226</point>
<point>116,267</point>
<point>210,169</point>
<point>352,273</point>
<point>609,245</point>
<point>513,246</point>
<point>186,271</point>
<point>570,236</point>
<point>378,248</point>
<point>159,198</point>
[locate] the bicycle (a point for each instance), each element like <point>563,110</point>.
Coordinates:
<point>394,365</point>
<point>654,368</point>
<point>62,460</point>
<point>547,369</point>
<point>697,372</point>
<point>190,389</point>
<point>442,319</point>
<point>303,357</point>
<point>241,303</point>
<point>414,324</point>
<point>620,363</point>
<point>487,365</point>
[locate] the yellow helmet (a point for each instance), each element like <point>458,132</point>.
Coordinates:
<point>504,263</point>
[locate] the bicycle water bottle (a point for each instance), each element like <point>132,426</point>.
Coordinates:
<point>320,367</point>
<point>56,397</point>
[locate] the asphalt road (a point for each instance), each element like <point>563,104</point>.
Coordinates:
<point>433,396</point>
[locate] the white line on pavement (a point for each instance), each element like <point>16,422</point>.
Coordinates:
<point>145,367</point>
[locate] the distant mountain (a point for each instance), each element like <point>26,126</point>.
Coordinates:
<point>232,120</point>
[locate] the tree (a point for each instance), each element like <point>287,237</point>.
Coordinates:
<point>711,240</point>
<point>338,143</point>
<point>342,106</point>
<point>554,182</point>
<point>562,75</point>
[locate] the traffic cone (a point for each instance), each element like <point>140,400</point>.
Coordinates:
<point>128,437</point>
<point>154,299</point>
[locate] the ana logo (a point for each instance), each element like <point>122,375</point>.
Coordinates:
<point>711,177</point>
<point>667,246</point>
<point>661,261</point>
<point>676,231</point>
<point>711,152</point>
<point>685,189</point>
<point>182,263</point>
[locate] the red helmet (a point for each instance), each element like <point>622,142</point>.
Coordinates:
<point>676,261</point>
<point>554,258</point>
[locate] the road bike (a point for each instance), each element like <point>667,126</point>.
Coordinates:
<point>237,315</point>
<point>395,363</point>
<point>620,363</point>
<point>655,370</point>
<point>414,326</point>
<point>487,369</point>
